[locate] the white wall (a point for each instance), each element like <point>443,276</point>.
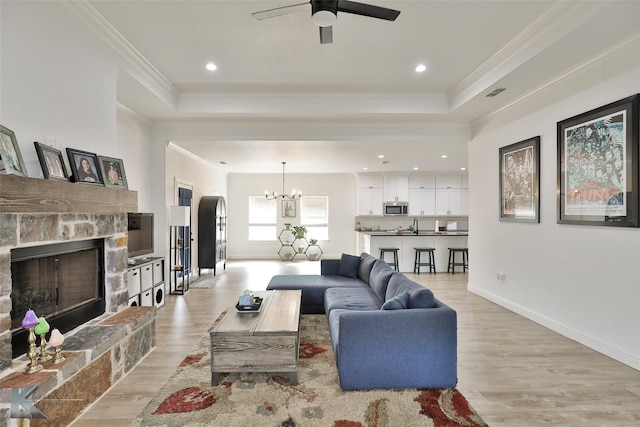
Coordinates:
<point>58,85</point>
<point>341,189</point>
<point>58,82</point>
<point>205,180</point>
<point>581,281</point>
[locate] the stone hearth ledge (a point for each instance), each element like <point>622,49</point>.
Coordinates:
<point>97,354</point>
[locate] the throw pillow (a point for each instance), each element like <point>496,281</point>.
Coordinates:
<point>349,266</point>
<point>398,302</point>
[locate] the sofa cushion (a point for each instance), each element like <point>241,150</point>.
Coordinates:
<point>362,298</point>
<point>379,278</point>
<point>349,266</point>
<point>419,296</point>
<point>313,287</point>
<point>366,264</point>
<point>398,302</point>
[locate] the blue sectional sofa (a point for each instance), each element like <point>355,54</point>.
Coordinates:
<point>387,331</point>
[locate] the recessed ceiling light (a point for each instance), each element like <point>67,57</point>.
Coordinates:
<point>444,156</point>
<point>365,168</point>
<point>463,169</point>
<point>211,66</point>
<point>381,156</point>
<point>416,168</point>
<point>421,68</point>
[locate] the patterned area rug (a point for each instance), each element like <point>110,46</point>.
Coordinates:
<point>261,399</point>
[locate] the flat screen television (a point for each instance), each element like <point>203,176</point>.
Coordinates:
<point>140,232</point>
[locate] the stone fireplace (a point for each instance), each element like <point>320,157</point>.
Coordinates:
<point>63,282</point>
<point>37,212</point>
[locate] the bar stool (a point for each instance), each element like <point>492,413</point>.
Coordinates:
<point>452,259</point>
<point>394,251</point>
<point>432,260</point>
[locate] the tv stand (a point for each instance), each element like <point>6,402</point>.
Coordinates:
<point>145,281</point>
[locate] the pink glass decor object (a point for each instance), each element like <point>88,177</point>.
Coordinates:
<point>55,340</point>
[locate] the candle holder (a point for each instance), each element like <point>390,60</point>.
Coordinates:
<point>41,329</point>
<point>30,322</point>
<point>44,356</point>
<point>56,341</point>
<point>58,358</point>
<point>32,354</point>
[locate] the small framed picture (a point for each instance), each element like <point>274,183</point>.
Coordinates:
<point>84,166</point>
<point>113,172</point>
<point>288,208</point>
<point>10,157</point>
<point>51,162</point>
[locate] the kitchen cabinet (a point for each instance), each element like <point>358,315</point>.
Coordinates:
<point>370,181</point>
<point>453,181</point>
<point>422,201</point>
<point>369,201</point>
<point>465,201</point>
<point>396,188</point>
<point>449,201</point>
<point>422,181</point>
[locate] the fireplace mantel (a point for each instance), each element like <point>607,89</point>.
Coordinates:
<point>20,194</point>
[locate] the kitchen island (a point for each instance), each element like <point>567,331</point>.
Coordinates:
<point>407,241</point>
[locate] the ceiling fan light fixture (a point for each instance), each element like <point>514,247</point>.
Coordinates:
<point>324,18</point>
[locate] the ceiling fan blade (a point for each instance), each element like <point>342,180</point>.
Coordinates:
<point>279,11</point>
<point>367,10</point>
<point>326,35</point>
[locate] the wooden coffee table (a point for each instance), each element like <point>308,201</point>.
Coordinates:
<point>266,341</point>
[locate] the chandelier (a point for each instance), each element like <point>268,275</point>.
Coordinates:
<point>283,196</point>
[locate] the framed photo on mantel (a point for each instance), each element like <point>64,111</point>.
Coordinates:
<point>598,166</point>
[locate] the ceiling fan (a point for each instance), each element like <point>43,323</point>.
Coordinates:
<point>324,13</point>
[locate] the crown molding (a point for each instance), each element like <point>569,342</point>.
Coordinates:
<point>629,44</point>
<point>154,80</point>
<point>556,22</point>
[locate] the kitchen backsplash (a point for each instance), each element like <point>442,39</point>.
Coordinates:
<point>392,223</point>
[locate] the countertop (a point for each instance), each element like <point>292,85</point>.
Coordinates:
<point>406,233</point>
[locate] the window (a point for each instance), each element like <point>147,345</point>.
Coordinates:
<point>314,215</point>
<point>262,218</point>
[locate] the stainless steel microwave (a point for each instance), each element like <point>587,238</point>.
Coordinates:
<point>396,208</point>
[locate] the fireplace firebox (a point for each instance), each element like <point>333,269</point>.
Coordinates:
<point>63,282</point>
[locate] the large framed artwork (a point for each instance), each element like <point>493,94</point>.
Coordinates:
<point>84,166</point>
<point>11,162</point>
<point>598,166</point>
<point>51,162</point>
<point>520,181</point>
<point>113,172</point>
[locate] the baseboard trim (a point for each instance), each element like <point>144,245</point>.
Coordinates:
<point>587,340</point>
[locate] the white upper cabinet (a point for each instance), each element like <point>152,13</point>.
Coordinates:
<point>449,181</point>
<point>370,181</point>
<point>422,181</point>
<point>369,201</point>
<point>422,201</point>
<point>396,188</point>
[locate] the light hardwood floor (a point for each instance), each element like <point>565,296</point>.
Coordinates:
<point>513,371</point>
